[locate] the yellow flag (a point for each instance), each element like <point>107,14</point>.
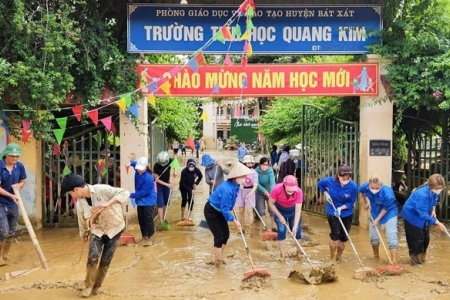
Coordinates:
<point>204,116</point>
<point>41,114</point>
<point>151,99</point>
<point>122,104</point>
<point>249,50</point>
<point>245,36</point>
<point>165,87</point>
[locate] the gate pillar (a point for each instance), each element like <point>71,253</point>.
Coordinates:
<point>133,143</point>
<point>376,123</point>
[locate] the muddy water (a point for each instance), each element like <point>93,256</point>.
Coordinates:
<point>176,267</point>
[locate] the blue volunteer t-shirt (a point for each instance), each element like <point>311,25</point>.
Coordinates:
<point>7,179</point>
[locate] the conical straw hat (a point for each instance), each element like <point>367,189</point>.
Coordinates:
<point>239,170</point>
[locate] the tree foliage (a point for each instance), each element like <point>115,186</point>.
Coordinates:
<point>417,40</point>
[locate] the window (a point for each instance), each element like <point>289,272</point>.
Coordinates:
<point>219,111</point>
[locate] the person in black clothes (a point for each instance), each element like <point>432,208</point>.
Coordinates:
<point>189,180</point>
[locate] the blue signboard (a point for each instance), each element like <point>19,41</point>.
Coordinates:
<point>185,29</point>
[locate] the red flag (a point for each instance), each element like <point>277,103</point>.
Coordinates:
<point>26,135</point>
<point>200,58</point>
<point>244,60</point>
<point>56,148</point>
<point>93,114</point>
<point>77,111</point>
<point>226,33</point>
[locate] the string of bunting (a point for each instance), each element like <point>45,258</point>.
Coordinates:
<point>124,101</point>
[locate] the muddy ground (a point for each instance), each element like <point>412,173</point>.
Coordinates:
<point>176,267</point>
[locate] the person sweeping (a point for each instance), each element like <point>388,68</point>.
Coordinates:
<point>381,201</point>
<point>419,212</point>
<point>340,192</point>
<point>285,201</point>
<point>215,172</point>
<point>218,209</point>
<point>100,220</point>
<point>12,176</point>
<point>189,180</point>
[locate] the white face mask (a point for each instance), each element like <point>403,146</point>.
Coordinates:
<point>191,169</point>
<point>240,180</point>
<point>344,182</point>
<point>374,191</point>
<point>264,168</point>
<point>437,191</point>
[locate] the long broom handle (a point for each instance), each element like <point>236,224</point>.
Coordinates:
<point>245,243</point>
<point>30,229</point>
<point>126,206</point>
<point>190,205</point>
<point>381,239</point>
<point>257,213</point>
<point>300,246</point>
<point>215,177</point>
<point>168,203</point>
<point>348,236</point>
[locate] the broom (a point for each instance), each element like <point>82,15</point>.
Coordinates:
<point>362,272</point>
<point>188,221</point>
<point>267,235</point>
<point>392,268</point>
<point>126,237</point>
<point>164,224</point>
<point>253,272</point>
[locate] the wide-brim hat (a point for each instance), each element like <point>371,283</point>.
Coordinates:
<point>12,149</point>
<point>239,170</point>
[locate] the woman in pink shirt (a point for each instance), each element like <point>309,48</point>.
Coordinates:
<point>286,203</point>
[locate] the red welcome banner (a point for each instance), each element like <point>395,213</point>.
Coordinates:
<point>352,79</point>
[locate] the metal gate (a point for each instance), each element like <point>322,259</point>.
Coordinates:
<point>156,141</point>
<point>327,142</point>
<point>93,154</point>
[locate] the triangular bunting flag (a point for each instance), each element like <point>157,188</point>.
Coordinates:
<point>245,36</point>
<point>226,33</point>
<point>165,87</point>
<point>134,109</point>
<point>56,149</point>
<point>244,82</point>
<point>59,133</point>
<point>77,111</point>
<point>113,139</point>
<point>122,104</point>
<point>227,60</point>
<point>250,24</point>
<point>107,121</point>
<point>26,124</point>
<point>193,65</point>
<point>41,114</point>
<point>243,7</point>
<point>3,116</point>
<point>101,166</point>
<point>250,12</point>
<point>128,115</point>
<point>216,89</point>
<point>5,127</point>
<point>93,115</point>
<point>237,30</point>
<point>66,171</point>
<point>62,122</point>
<point>128,99</point>
<point>200,58</point>
<point>151,99</point>
<point>175,164</point>
<point>204,116</point>
<point>175,71</point>
<point>246,46</point>
<point>98,138</point>
<point>249,50</point>
<point>113,128</point>
<point>152,86</point>
<point>244,60</point>
<point>26,135</point>
<point>219,37</point>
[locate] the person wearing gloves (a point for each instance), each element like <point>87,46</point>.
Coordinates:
<point>341,191</point>
<point>419,212</point>
<point>218,209</point>
<point>189,180</point>
<point>214,172</point>
<point>266,182</point>
<point>246,197</point>
<point>286,201</point>
<point>100,220</point>
<point>12,176</point>
<point>145,198</point>
<point>289,166</point>
<point>380,200</point>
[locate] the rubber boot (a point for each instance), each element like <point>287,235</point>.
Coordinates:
<point>340,251</point>
<point>2,245</point>
<point>393,253</point>
<point>422,257</point>
<point>415,260</point>
<point>376,251</point>
<point>91,273</point>
<point>99,277</point>
<point>333,248</point>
